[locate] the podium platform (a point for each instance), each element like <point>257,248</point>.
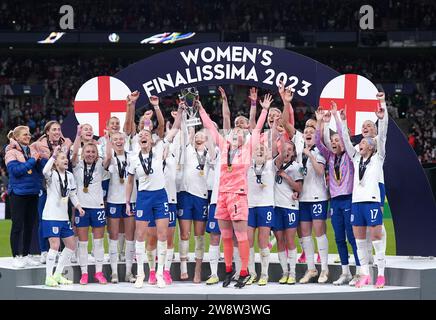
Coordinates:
<point>411,279</point>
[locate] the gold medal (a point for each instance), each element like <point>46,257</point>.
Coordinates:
<point>121,180</point>
<point>229,169</point>
<point>85,189</point>
<point>201,172</point>
<point>29,171</point>
<point>64,199</point>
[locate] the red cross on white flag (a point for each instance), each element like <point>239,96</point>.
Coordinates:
<point>100,98</point>
<point>354,93</point>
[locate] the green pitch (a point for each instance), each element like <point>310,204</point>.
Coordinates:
<point>5,227</point>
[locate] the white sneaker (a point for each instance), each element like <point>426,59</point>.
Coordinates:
<point>30,262</point>
<point>114,278</point>
<point>160,280</point>
<point>355,280</point>
<point>43,258</point>
<point>324,276</point>
<point>139,281</point>
<point>19,262</point>
<point>343,279</point>
<point>308,276</point>
<point>130,278</point>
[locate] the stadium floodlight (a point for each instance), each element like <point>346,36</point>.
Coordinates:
<point>53,37</point>
<point>167,37</point>
<point>114,37</point>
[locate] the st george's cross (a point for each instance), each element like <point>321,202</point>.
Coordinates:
<point>355,94</point>
<point>99,99</point>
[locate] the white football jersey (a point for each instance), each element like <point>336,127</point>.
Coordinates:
<point>298,140</point>
<point>117,189</point>
<point>170,176</point>
<point>155,180</point>
<point>283,191</point>
<point>55,208</point>
<point>195,180</point>
<point>367,189</point>
<point>314,185</point>
<point>382,175</point>
<point>93,199</point>
<point>261,195</point>
<point>216,177</point>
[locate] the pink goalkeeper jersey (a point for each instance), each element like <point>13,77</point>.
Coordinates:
<point>234,181</point>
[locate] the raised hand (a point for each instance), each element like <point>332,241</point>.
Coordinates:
<point>285,93</point>
<point>327,116</point>
<point>223,93</point>
<point>319,113</point>
<point>253,94</point>
<point>380,96</point>
<point>295,196</point>
<point>267,100</point>
<point>79,130</point>
<point>56,151</point>
<point>334,107</point>
<point>106,135</point>
<point>133,97</point>
<point>380,113</point>
<point>154,101</point>
<point>343,114</point>
<point>148,114</point>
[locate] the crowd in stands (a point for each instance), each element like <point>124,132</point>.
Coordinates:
<point>215,16</point>
<point>62,77</point>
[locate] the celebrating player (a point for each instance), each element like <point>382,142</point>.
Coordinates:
<point>341,171</point>
<point>61,186</point>
<point>152,200</point>
<point>232,206</point>
<point>88,173</point>
<point>366,211</point>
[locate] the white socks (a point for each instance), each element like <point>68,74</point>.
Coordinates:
<point>346,269</point>
<point>65,258</point>
<point>51,259</point>
<point>264,260</point>
<point>292,260</point>
<point>283,259</point>
<point>169,259</point>
<point>183,251</point>
<point>383,238</point>
<point>214,256</point>
<point>121,242</point>
<point>151,258</point>
<point>98,254</point>
<point>251,265</point>
<point>323,249</point>
<point>237,259</point>
<point>362,253</point>
<point>83,256</point>
<point>368,244</point>
<point>308,248</point>
<point>130,252</point>
<point>199,247</point>
<point>380,256</point>
<point>140,257</point>
<point>113,254</point>
<point>162,254</point>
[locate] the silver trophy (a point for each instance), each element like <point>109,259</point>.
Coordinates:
<point>190,97</point>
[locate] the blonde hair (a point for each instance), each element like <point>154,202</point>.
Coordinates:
<point>89,144</point>
<point>14,134</point>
